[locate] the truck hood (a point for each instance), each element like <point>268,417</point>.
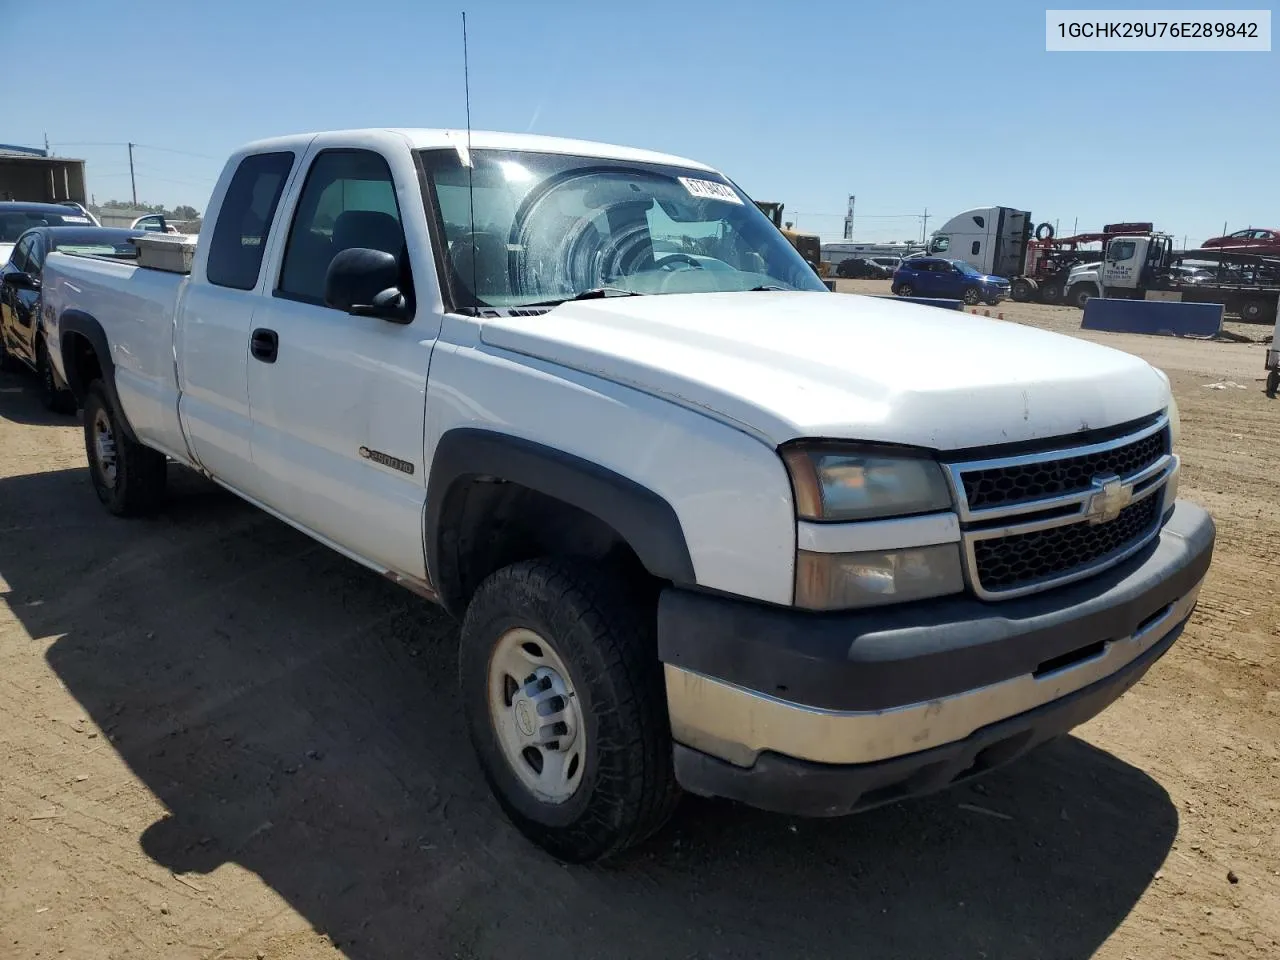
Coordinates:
<point>787,365</point>
<point>5,250</point>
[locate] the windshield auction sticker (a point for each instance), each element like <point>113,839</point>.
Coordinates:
<point>710,190</point>
<point>1153,31</point>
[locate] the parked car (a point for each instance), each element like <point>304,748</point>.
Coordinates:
<point>17,217</point>
<point>862,268</point>
<point>1253,239</point>
<point>952,279</point>
<point>22,337</point>
<point>719,529</point>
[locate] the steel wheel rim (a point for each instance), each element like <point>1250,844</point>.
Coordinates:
<point>104,448</point>
<point>536,715</point>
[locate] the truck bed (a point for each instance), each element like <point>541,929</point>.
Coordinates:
<point>135,307</point>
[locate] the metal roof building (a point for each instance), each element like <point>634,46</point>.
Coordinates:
<point>30,173</point>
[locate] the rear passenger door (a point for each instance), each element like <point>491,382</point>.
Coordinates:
<point>338,401</point>
<point>922,277</point>
<point>216,316</point>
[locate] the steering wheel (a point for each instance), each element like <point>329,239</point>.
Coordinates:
<point>674,258</point>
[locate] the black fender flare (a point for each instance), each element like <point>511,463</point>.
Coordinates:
<point>641,517</point>
<point>74,323</point>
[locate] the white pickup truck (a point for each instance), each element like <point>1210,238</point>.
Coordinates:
<point>706,524</point>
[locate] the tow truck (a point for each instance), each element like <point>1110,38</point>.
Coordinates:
<point>1147,267</point>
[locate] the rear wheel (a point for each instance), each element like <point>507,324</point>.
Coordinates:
<point>905,290</point>
<point>1273,381</point>
<point>128,478</point>
<point>53,396</point>
<point>1255,310</point>
<point>971,296</point>
<point>1022,289</point>
<point>563,694</point>
<point>1050,293</point>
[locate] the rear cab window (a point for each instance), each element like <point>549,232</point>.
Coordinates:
<point>244,220</point>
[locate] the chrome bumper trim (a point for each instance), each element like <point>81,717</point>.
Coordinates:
<point>736,724</point>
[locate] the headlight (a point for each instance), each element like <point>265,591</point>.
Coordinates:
<point>840,581</point>
<point>834,483</point>
<point>1175,424</point>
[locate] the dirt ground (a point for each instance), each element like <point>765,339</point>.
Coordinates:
<point>220,740</point>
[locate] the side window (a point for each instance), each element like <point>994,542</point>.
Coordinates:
<point>240,235</point>
<point>940,245</point>
<point>977,245</point>
<point>981,222</point>
<point>35,259</point>
<point>348,200</point>
<point>1121,250</point>
<point>20,254</point>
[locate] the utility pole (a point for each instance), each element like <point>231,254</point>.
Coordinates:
<point>46,145</point>
<point>1075,227</point>
<point>132,180</point>
<point>924,225</point>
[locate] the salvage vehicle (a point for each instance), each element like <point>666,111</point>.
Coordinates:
<point>954,279</point>
<point>22,337</point>
<point>862,268</point>
<point>1254,240</point>
<point>17,217</point>
<point>714,529</point>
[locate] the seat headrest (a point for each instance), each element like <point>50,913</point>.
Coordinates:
<point>368,228</point>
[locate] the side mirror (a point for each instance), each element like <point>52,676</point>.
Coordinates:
<point>366,283</point>
<point>22,281</point>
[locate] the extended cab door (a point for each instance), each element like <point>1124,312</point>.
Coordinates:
<point>215,315</point>
<point>338,401</point>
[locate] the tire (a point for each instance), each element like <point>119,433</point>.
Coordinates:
<point>1050,293</point>
<point>1022,290</point>
<point>1044,231</point>
<point>131,480</point>
<point>1255,310</point>
<point>578,618</point>
<point>52,396</point>
<point>1080,294</point>
<point>1273,382</point>
<point>992,302</point>
<point>971,296</point>
<point>905,290</point>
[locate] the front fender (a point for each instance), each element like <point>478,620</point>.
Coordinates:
<point>642,518</point>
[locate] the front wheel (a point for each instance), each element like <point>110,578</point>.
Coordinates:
<point>128,478</point>
<point>971,296</point>
<point>1273,381</point>
<point>563,694</point>
<point>1080,294</point>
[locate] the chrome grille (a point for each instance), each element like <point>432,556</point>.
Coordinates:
<point>1020,483</point>
<point>1034,521</point>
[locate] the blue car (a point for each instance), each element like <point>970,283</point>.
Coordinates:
<point>950,279</point>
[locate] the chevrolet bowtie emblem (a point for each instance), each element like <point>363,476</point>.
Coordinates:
<point>1110,496</point>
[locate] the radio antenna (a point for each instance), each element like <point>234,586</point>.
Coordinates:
<point>471,191</point>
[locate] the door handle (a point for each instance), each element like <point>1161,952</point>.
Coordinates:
<point>264,344</point>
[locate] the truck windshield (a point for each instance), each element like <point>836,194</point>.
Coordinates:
<point>551,227</point>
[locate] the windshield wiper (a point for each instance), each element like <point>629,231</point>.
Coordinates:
<point>595,293</point>
<point>766,287</point>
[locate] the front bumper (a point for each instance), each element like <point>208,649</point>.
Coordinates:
<point>871,706</point>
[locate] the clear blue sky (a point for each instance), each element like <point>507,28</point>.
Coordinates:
<point>944,105</point>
